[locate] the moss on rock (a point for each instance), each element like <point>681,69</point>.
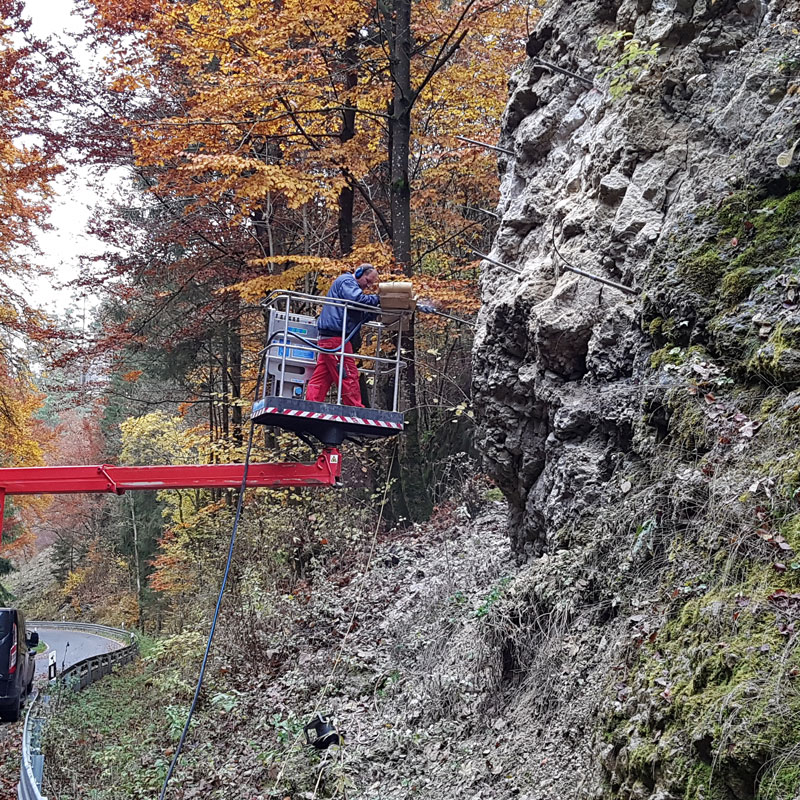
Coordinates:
<point>710,275</point>
<point>778,359</point>
<point>703,269</point>
<point>710,704</point>
<point>720,678</point>
<point>700,784</point>
<point>737,283</point>
<point>667,355</point>
<point>780,782</point>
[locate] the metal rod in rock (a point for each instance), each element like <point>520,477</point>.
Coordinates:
<point>497,263</point>
<point>477,208</point>
<point>487,146</point>
<point>452,317</point>
<point>563,71</point>
<point>621,286</point>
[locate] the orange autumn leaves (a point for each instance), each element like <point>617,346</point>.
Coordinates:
<point>253,101</point>
<point>26,169</point>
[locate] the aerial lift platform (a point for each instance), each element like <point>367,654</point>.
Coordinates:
<point>289,357</point>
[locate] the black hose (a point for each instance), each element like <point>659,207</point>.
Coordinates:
<point>216,612</point>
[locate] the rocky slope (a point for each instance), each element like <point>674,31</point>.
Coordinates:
<point>646,441</point>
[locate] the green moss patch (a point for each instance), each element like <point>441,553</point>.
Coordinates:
<point>723,684</point>
<point>755,238</point>
<point>778,358</point>
<point>780,782</point>
<point>737,284</point>
<point>726,281</point>
<point>703,269</point>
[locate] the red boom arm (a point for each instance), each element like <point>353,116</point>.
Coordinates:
<point>117,480</point>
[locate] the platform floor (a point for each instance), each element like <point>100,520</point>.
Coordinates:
<point>328,422</point>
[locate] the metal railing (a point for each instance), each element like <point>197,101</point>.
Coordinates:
<point>83,673</point>
<point>119,634</point>
<point>388,337</point>
<point>30,778</point>
<point>77,676</point>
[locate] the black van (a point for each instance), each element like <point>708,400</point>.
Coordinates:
<point>17,662</point>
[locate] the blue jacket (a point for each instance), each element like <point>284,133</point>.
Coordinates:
<point>345,287</point>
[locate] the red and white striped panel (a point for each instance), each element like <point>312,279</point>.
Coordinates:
<point>332,417</point>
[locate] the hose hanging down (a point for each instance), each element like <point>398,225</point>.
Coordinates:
<point>200,677</point>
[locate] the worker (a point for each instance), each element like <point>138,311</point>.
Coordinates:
<point>329,329</point>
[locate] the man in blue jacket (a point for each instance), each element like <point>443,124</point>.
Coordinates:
<point>329,328</point>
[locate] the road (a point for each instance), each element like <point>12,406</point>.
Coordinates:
<point>81,645</point>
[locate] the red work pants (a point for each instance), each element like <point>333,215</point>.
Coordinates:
<point>326,374</point>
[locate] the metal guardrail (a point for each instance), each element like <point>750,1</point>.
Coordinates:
<point>77,676</point>
<point>120,634</point>
<point>30,779</point>
<point>82,673</point>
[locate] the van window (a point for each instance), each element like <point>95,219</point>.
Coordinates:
<point>22,634</point>
<point>9,618</point>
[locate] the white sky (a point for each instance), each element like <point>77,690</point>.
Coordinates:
<point>72,206</point>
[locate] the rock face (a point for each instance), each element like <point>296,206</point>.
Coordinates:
<point>646,442</point>
<point>616,186</point>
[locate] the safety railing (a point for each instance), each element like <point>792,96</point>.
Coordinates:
<point>292,343</point>
<point>30,778</point>
<point>83,673</point>
<point>118,634</point>
<point>77,676</point>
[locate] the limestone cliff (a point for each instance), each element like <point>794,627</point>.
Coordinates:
<point>646,441</point>
<point>620,185</point>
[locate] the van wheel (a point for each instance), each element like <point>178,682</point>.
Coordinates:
<point>29,689</point>
<point>11,713</point>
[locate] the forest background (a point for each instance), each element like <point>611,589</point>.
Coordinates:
<point>268,146</point>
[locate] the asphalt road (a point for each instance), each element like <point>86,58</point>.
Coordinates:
<point>69,646</point>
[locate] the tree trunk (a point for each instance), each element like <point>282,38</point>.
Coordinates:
<point>270,153</point>
<point>400,122</point>
<point>347,132</point>
<point>213,417</point>
<point>136,563</point>
<point>224,407</point>
<point>416,498</point>
<point>235,344</point>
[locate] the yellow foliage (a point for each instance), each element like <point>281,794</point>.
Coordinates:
<point>262,92</point>
<point>75,580</point>
<point>102,589</point>
<point>22,437</point>
<point>294,276</point>
<point>159,438</point>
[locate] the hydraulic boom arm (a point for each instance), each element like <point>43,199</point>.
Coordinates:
<point>117,480</point>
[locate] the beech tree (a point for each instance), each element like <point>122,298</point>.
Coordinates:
<point>284,109</point>
<point>27,146</point>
